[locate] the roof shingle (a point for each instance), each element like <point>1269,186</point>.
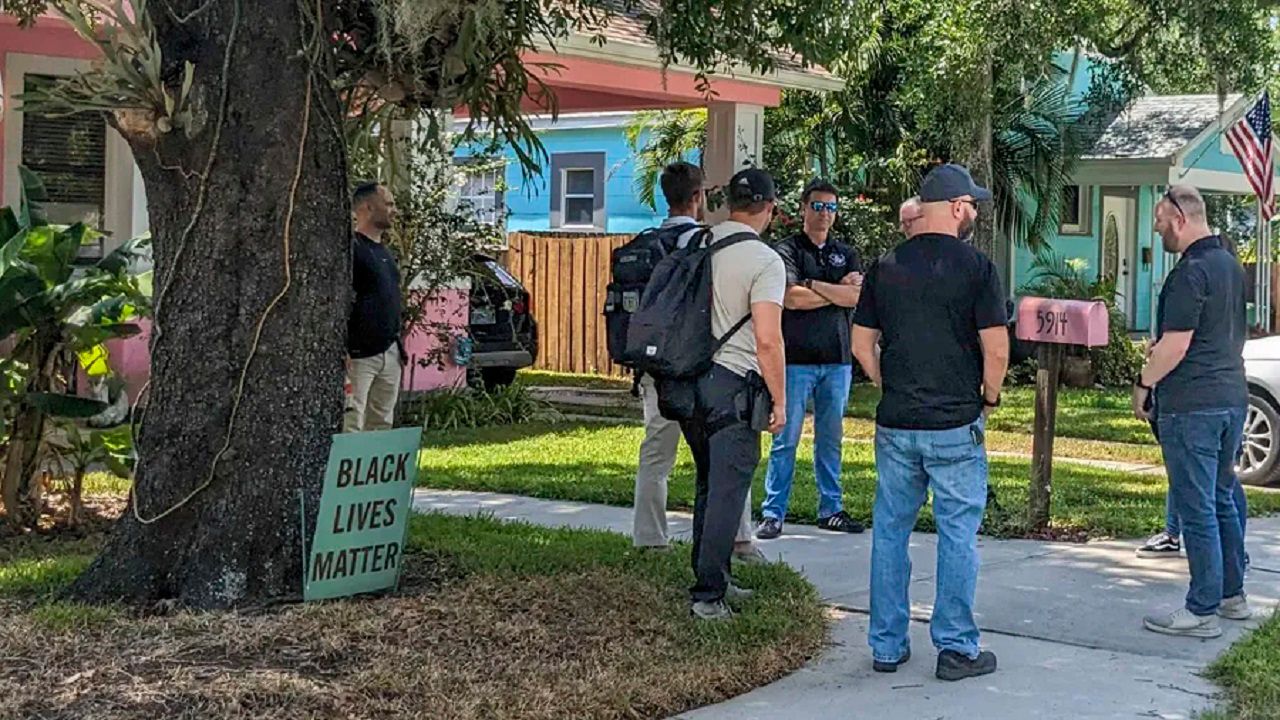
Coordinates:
<point>1157,126</point>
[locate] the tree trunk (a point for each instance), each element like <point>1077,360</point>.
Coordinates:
<point>20,462</point>
<point>77,498</point>
<point>978,158</point>
<point>238,540</point>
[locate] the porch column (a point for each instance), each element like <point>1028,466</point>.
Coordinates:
<point>735,136</point>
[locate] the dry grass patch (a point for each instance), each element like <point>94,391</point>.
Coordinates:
<point>495,621</point>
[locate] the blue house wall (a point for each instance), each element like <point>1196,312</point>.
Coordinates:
<point>528,201</point>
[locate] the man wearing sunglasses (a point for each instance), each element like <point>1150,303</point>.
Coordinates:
<point>1196,371</point>
<point>824,280</point>
<point>936,306</point>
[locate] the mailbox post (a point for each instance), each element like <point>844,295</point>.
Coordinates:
<point>1053,324</point>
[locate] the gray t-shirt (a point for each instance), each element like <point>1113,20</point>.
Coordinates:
<point>743,274</point>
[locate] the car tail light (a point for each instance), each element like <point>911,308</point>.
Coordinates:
<point>519,307</point>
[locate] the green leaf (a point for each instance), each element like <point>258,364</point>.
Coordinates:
<point>30,212</point>
<point>118,260</point>
<point>67,406</point>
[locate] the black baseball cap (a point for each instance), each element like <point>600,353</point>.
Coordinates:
<point>752,184</point>
<point>950,181</point>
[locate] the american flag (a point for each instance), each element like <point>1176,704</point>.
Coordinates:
<point>1250,140</point>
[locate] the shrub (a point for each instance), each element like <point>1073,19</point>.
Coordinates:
<point>1119,361</point>
<point>472,408</point>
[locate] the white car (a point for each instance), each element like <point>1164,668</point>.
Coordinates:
<point>1258,460</point>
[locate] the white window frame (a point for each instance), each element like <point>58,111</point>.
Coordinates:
<point>497,170</point>
<point>121,184</point>
<point>565,196</point>
<point>1084,206</point>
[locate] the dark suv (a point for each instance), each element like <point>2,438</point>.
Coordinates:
<point>504,335</point>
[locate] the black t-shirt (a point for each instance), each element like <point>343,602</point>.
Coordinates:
<point>1204,293</point>
<point>375,314</point>
<point>819,336</point>
<point>929,297</point>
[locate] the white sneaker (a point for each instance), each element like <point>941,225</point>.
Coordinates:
<point>1183,623</point>
<point>1235,608</point>
<point>714,611</point>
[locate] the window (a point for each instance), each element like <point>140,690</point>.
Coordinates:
<point>1074,218</point>
<point>69,155</point>
<point>579,197</point>
<point>480,189</point>
<point>577,191</point>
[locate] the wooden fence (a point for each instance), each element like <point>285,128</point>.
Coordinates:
<point>566,277</point>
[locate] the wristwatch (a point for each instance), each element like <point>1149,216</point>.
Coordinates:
<point>990,403</point>
<point>807,283</point>
<point>1137,382</point>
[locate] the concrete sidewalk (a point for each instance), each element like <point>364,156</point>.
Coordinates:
<point>1065,621</point>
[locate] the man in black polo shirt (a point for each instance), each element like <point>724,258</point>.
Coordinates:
<point>824,279</point>
<point>937,309</point>
<point>374,353</point>
<point>1197,370</point>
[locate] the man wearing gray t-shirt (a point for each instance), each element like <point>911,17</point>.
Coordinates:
<point>747,280</point>
<point>682,187</point>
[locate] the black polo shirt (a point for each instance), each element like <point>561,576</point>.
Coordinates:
<point>819,336</point>
<point>929,297</point>
<point>1204,293</point>
<point>374,323</point>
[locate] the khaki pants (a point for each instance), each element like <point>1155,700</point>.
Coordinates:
<point>657,458</point>
<point>375,386</point>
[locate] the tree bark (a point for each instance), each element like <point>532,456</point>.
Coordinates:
<point>239,540</point>
<point>978,158</point>
<point>21,502</point>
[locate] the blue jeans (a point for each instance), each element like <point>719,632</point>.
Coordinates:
<point>908,462</point>
<point>1173,525</point>
<point>829,387</point>
<point>1199,452</point>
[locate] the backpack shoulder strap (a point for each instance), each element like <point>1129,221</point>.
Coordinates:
<point>720,245</point>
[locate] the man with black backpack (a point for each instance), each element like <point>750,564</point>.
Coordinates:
<point>736,342</point>
<point>682,185</point>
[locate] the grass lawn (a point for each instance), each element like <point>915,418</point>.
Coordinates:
<point>1250,673</point>
<point>492,620</point>
<point>1086,418</point>
<point>596,463</point>
<point>1101,415</point>
<point>544,378</point>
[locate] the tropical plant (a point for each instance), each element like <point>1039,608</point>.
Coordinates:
<point>660,137</point>
<point>1037,140</point>
<point>74,450</point>
<point>459,408</point>
<point>51,310</point>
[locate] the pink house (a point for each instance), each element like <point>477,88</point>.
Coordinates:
<point>625,73</point>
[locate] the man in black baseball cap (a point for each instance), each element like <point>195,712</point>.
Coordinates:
<point>748,282</point>
<point>937,309</point>
<point>947,183</point>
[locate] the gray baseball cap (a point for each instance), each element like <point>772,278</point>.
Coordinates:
<point>951,181</point>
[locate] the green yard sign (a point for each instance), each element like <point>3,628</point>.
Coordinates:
<point>358,544</point>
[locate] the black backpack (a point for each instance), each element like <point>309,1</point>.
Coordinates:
<point>670,334</point>
<point>630,268</point>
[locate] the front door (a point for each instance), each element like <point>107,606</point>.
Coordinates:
<point>1117,242</point>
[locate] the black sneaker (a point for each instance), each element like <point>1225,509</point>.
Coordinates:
<point>840,522</point>
<point>769,529</point>
<point>954,666</point>
<point>891,667</point>
<point>1161,545</point>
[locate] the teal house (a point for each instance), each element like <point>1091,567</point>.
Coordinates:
<point>1108,215</point>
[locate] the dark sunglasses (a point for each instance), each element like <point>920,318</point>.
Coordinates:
<point>819,206</point>
<point>967,201</point>
<point>1172,201</point>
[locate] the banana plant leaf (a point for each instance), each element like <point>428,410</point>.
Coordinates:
<point>67,406</point>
